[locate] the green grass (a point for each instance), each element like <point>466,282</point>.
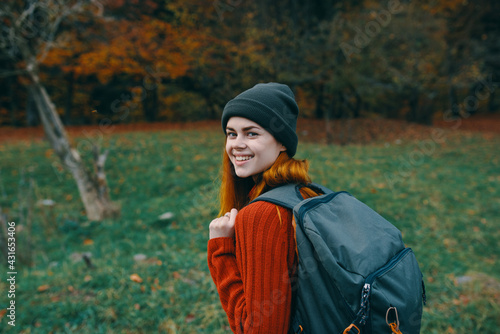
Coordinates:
<point>443,196</point>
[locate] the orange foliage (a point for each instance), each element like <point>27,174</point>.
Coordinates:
<point>123,46</point>
<point>139,48</point>
<point>440,6</point>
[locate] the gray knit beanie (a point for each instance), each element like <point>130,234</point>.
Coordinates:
<point>272,106</point>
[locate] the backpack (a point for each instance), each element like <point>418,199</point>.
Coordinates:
<point>354,273</point>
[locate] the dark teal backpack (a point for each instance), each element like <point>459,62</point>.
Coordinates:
<point>355,274</point>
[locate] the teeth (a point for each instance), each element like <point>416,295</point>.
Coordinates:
<point>239,158</point>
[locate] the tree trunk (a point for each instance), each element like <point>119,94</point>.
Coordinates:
<point>491,103</point>
<point>31,108</point>
<point>319,102</point>
<point>452,95</point>
<point>150,104</point>
<point>13,106</point>
<point>92,188</point>
<point>413,103</point>
<point>69,98</point>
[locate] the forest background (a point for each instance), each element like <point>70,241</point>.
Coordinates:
<point>129,61</point>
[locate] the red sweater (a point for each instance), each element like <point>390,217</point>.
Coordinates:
<point>253,271</point>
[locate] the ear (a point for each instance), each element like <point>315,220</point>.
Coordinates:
<point>282,148</point>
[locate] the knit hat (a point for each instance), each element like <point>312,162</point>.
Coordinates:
<point>272,106</point>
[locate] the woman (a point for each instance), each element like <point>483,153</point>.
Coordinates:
<point>251,251</point>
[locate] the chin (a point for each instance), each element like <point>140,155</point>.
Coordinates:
<point>243,175</point>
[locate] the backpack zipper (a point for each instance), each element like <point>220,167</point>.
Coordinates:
<point>317,201</point>
<point>363,312</point>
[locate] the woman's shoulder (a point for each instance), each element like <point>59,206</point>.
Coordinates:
<point>264,210</point>
<point>258,205</point>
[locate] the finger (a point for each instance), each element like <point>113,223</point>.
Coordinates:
<point>232,217</point>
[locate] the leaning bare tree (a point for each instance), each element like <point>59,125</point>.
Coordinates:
<point>28,31</point>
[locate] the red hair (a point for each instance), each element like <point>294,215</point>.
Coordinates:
<point>236,192</point>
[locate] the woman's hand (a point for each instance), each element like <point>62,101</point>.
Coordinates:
<point>223,227</point>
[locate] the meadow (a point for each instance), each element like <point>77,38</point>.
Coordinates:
<point>142,274</point>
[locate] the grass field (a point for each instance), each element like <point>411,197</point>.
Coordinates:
<point>150,276</point>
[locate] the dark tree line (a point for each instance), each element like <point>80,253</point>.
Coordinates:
<point>181,61</point>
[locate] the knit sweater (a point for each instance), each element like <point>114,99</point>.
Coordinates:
<point>253,271</point>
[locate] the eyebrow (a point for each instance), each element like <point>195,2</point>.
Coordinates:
<point>244,129</point>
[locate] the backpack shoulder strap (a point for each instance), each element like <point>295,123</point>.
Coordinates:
<point>289,195</point>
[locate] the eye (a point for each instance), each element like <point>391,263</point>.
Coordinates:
<point>252,134</point>
<point>231,134</point>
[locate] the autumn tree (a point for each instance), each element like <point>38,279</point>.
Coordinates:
<point>30,30</point>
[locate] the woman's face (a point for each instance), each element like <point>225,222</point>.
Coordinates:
<point>250,148</point>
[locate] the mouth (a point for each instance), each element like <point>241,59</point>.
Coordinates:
<point>241,159</point>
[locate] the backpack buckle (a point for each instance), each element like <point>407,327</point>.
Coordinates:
<point>351,326</point>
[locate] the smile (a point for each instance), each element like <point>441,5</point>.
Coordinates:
<point>243,158</point>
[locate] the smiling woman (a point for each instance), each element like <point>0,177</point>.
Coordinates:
<point>250,148</point>
<point>251,252</point>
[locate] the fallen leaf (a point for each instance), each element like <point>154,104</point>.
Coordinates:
<point>48,153</point>
<point>88,242</point>
<point>136,278</point>
<point>190,318</point>
<point>43,288</point>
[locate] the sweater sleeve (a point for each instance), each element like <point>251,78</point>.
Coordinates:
<point>252,272</point>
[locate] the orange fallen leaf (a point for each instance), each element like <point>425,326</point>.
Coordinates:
<point>43,288</point>
<point>189,318</point>
<point>2,313</point>
<point>136,278</point>
<point>48,153</point>
<point>87,242</point>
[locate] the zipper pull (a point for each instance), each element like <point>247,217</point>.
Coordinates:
<point>365,305</point>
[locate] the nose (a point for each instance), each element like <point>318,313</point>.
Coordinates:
<point>239,142</point>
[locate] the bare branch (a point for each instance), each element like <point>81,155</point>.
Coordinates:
<point>9,73</point>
